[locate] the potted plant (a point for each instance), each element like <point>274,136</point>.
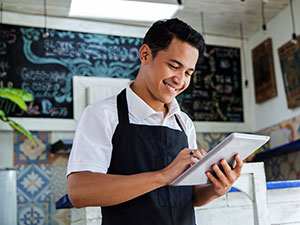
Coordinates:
<point>19,97</point>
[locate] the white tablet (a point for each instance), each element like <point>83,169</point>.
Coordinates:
<point>243,144</point>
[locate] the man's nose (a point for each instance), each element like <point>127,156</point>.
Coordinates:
<point>178,78</point>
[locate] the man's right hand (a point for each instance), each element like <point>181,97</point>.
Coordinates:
<point>182,162</point>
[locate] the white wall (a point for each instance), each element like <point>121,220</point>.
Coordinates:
<point>6,149</point>
<point>274,110</point>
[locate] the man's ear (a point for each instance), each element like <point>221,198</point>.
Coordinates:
<point>145,54</point>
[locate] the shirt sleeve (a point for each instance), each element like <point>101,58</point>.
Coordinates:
<point>92,147</point>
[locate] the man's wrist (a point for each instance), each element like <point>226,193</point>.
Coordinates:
<point>160,178</point>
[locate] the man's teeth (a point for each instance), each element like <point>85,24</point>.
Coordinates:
<point>173,89</point>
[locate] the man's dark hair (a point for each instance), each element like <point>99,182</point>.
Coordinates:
<point>161,33</point>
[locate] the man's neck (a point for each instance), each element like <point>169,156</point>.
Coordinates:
<point>147,98</point>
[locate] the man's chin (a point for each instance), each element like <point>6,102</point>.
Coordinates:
<point>169,100</point>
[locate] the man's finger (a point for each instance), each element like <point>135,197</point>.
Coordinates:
<point>226,167</point>
<point>213,179</point>
<point>239,164</point>
<point>198,154</point>
<point>202,151</point>
<point>220,175</point>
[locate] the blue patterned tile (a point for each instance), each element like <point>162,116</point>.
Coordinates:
<point>60,216</point>
<point>21,196</point>
<point>26,151</point>
<point>58,181</point>
<point>34,214</point>
<point>33,183</point>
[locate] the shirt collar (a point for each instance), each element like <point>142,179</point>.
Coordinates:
<point>141,110</point>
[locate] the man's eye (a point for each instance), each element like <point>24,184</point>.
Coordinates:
<point>189,74</point>
<point>173,67</point>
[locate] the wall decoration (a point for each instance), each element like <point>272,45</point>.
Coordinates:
<point>263,70</point>
<point>289,55</point>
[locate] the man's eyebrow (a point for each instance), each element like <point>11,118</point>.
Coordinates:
<point>180,64</point>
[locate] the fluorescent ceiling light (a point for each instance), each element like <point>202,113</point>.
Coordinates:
<point>122,10</point>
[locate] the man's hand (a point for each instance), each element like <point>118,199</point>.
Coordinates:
<point>183,161</point>
<point>224,180</point>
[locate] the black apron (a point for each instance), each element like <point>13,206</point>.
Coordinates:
<point>143,148</point>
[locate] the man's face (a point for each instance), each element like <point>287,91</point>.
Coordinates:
<point>169,73</point>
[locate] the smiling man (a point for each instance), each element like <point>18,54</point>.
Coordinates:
<point>128,148</point>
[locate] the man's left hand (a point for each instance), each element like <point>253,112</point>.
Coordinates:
<point>224,180</point>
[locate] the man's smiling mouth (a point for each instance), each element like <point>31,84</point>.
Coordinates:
<point>173,89</point>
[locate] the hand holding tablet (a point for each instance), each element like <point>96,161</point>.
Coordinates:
<point>235,143</point>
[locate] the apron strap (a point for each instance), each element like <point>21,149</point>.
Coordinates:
<point>122,107</point>
<point>179,124</point>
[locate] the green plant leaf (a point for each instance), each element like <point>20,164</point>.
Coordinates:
<point>14,98</point>
<point>3,116</point>
<point>2,113</point>
<point>18,96</point>
<point>22,130</point>
<point>25,95</point>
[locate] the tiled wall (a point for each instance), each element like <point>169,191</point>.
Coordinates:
<point>284,167</point>
<point>209,140</point>
<point>40,181</point>
<point>293,125</point>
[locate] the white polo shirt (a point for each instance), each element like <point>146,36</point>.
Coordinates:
<point>92,144</point>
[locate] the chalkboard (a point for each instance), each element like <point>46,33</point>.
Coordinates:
<point>215,92</point>
<point>45,66</point>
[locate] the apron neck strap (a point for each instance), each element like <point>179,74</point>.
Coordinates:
<point>122,107</point>
<point>178,122</point>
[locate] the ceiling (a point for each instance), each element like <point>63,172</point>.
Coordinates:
<point>221,17</point>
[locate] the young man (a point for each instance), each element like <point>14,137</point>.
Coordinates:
<point>128,148</point>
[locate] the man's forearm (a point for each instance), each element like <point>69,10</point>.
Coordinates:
<point>203,195</point>
<point>96,189</point>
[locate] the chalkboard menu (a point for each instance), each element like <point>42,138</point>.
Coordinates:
<point>45,67</point>
<point>215,92</point>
